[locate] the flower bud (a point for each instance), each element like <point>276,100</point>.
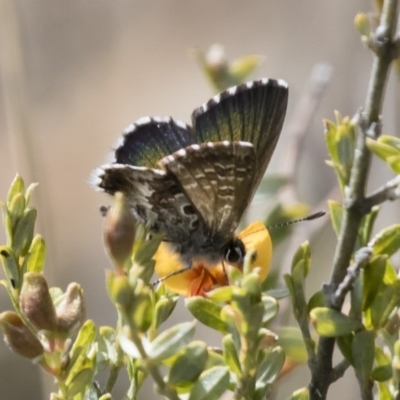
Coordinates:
<point>362,24</point>
<point>18,337</point>
<point>36,303</point>
<point>119,231</point>
<point>119,289</point>
<point>71,311</point>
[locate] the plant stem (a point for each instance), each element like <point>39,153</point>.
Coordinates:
<point>354,203</point>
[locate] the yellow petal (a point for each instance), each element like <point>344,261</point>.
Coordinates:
<point>197,280</point>
<point>256,237</point>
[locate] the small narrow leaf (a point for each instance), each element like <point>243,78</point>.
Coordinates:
<point>170,341</point>
<point>189,364</point>
<point>301,394</point>
<point>363,351</point>
<point>336,213</point>
<point>17,186</point>
<point>207,312</point>
<point>230,355</point>
<point>37,254</point>
<point>387,241</point>
<point>23,233</point>
<point>380,149</point>
<point>211,384</point>
<point>331,323</point>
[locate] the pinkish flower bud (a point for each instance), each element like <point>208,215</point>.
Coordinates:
<point>36,303</point>
<point>18,337</point>
<point>71,311</point>
<point>119,231</point>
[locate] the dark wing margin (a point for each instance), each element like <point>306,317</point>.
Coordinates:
<point>154,197</point>
<point>218,180</point>
<point>148,140</point>
<point>252,112</point>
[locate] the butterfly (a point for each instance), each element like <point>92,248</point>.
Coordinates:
<point>194,183</point>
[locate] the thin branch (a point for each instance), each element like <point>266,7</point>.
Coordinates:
<point>322,369</point>
<point>339,370</point>
<point>390,191</point>
<point>361,259</point>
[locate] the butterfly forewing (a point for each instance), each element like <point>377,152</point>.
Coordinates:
<point>148,140</point>
<point>252,112</point>
<point>193,185</point>
<point>217,178</point>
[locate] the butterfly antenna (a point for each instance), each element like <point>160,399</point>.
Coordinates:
<point>308,218</point>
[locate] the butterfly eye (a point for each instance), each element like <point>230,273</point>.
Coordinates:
<point>235,252</point>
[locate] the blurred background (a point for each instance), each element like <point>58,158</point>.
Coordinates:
<point>76,73</point>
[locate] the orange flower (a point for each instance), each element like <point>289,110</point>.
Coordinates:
<point>203,277</point>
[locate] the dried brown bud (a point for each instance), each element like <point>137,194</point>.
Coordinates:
<point>71,311</point>
<point>18,337</point>
<point>119,231</point>
<point>36,303</point>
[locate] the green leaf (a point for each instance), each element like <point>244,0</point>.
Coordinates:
<point>384,391</point>
<point>345,344</point>
<point>29,192</point>
<point>301,262</point>
<point>363,352</point>
<point>79,354</point>
<point>10,266</point>
<point>189,364</point>
<point>37,254</point>
<point>385,301</point>
<point>222,294</point>
<point>207,312</point>
<point>230,355</point>
<point>316,300</point>
<point>142,309</point>
<point>332,323</point>
<point>242,67</point>
<point>394,163</point>
<point>271,307</point>
<point>277,293</point>
<point>372,277</point>
<point>380,149</point>
<point>367,224</point>
<point>211,384</point>
<point>382,373</point>
<point>336,213</point>
<point>107,353</point>
<point>170,341</point>
<point>301,394</point>
<point>390,140</point>
<point>387,241</point>
<point>17,186</point>
<point>23,233</point>
<point>292,342</point>
<point>17,207</point>
<point>77,387</point>
<point>270,367</point>
<point>163,309</point>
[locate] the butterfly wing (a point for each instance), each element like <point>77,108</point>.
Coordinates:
<point>253,112</point>
<point>155,198</point>
<point>217,178</point>
<point>148,140</point>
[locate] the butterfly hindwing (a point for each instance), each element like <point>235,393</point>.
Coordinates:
<point>156,198</point>
<point>253,112</point>
<point>148,140</point>
<point>217,178</point>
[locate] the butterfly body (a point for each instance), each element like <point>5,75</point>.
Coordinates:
<point>194,184</point>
